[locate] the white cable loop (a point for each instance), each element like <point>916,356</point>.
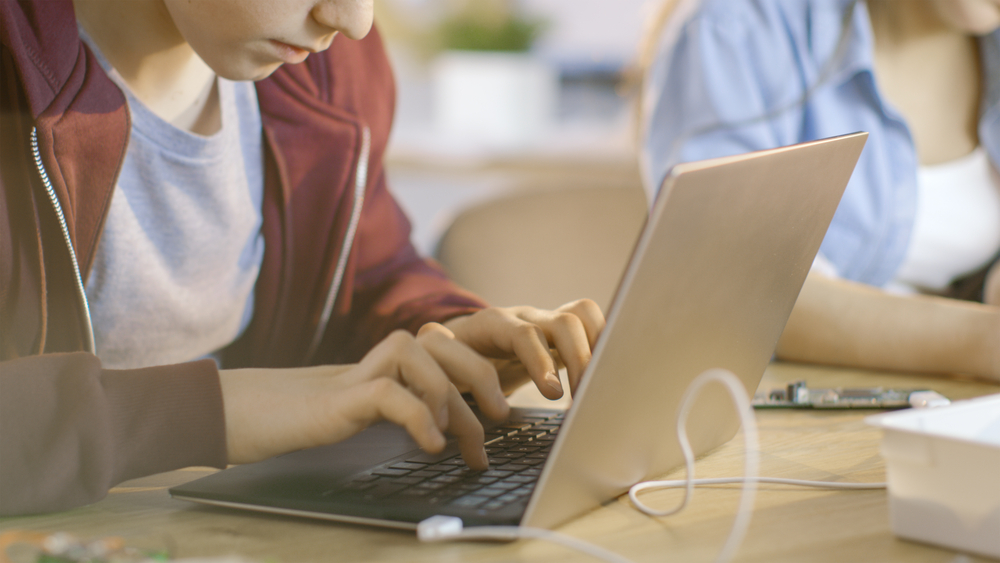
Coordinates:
<point>751,462</point>
<point>676,483</point>
<point>447,528</point>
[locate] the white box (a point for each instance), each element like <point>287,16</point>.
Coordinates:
<point>943,467</point>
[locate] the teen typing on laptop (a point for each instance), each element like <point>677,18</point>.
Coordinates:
<point>160,210</point>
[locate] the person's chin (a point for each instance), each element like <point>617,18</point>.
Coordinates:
<point>264,72</point>
<point>249,72</point>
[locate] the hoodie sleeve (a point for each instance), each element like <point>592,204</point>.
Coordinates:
<point>70,430</point>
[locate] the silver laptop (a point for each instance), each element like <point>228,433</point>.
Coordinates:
<point>711,282</point>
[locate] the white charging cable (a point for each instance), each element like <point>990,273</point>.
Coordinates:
<point>447,528</point>
<point>450,528</point>
<point>751,460</point>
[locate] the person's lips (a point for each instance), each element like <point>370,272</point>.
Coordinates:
<point>290,54</point>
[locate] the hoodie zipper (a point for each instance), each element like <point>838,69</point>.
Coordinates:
<point>80,292</point>
<point>360,182</point>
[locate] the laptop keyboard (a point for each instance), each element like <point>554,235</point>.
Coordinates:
<point>516,450</point>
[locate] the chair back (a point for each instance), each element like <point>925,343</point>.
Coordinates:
<point>545,247</point>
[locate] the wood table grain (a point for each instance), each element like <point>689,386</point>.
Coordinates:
<point>789,524</point>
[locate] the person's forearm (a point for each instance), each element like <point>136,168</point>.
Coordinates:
<point>844,323</point>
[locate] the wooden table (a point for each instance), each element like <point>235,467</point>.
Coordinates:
<point>788,524</point>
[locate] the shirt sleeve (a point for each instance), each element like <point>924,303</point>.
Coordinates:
<point>718,87</point>
<point>70,430</point>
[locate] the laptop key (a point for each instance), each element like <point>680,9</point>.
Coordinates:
<point>507,443</point>
<point>505,485</point>
<point>431,485</point>
<point>521,479</point>
<point>515,467</point>
<point>429,458</point>
<point>532,460</point>
<point>409,466</point>
<point>469,501</point>
<point>494,504</point>
<point>386,472</point>
<point>496,473</point>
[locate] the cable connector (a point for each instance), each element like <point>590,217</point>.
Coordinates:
<point>439,527</point>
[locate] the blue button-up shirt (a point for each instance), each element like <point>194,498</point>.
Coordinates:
<point>723,74</point>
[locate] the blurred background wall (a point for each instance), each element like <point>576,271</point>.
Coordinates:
<point>504,96</point>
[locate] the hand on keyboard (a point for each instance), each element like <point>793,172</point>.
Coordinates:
<point>404,379</point>
<point>528,343</point>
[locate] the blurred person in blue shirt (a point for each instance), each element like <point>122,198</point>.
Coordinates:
<point>906,278</point>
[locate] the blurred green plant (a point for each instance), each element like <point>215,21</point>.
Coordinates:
<point>489,25</point>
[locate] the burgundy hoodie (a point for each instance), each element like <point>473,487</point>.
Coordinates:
<point>338,275</point>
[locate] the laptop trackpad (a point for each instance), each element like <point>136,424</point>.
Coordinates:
<point>312,472</point>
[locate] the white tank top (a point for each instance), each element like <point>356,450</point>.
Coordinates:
<point>957,226</point>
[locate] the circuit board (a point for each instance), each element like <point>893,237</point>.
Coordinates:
<point>797,396</point>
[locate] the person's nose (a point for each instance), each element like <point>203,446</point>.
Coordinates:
<point>353,18</point>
